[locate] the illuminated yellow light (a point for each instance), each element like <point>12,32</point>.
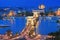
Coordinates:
<point>50,15</point>
<point>33,33</point>
<point>37,24</point>
<point>41,7</point>
<point>35,15</point>
<point>58,12</point>
<point>32,26</point>
<point>11,35</point>
<point>11,13</point>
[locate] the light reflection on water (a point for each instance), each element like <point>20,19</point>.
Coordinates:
<point>17,26</point>
<point>45,25</point>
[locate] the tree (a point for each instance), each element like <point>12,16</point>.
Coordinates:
<point>56,34</point>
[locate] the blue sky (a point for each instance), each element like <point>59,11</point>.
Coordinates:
<point>29,3</point>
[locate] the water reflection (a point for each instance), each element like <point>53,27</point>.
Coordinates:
<point>17,24</point>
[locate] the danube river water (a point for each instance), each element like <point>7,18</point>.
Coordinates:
<point>17,24</point>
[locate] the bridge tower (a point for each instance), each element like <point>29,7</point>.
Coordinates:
<point>32,23</point>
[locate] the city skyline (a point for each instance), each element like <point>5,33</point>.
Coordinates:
<point>34,4</point>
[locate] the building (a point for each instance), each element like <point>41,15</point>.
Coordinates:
<point>58,12</point>
<point>11,13</point>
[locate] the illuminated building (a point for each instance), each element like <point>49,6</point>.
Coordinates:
<point>50,14</point>
<point>11,13</point>
<point>58,12</point>
<point>4,14</point>
<point>6,8</point>
<point>41,8</point>
<point>19,11</point>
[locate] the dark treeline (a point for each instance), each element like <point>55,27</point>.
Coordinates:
<point>56,34</point>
